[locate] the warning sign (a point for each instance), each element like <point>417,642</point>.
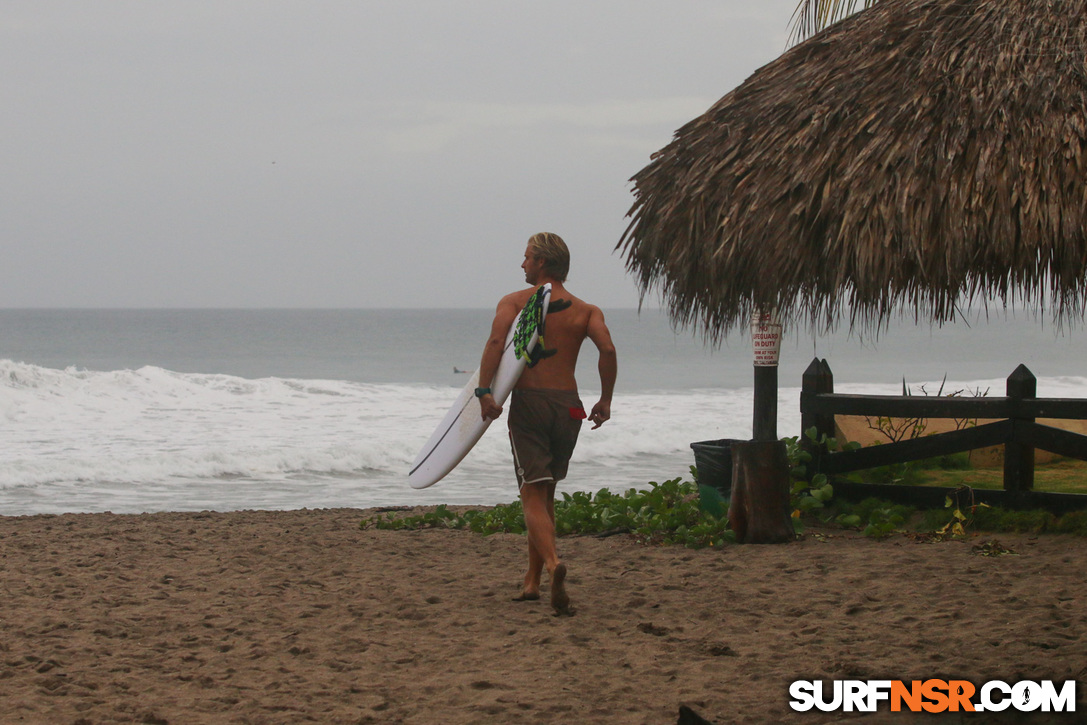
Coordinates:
<point>765,339</point>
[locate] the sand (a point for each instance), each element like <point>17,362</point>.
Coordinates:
<point>300,616</point>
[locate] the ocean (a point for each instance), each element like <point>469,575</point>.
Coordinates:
<point>135,411</point>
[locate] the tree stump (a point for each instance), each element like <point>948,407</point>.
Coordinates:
<point>759,510</point>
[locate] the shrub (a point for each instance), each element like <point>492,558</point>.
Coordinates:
<point>665,513</point>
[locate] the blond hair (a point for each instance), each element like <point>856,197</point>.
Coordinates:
<point>554,253</point>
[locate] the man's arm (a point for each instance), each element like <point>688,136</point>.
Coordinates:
<point>492,354</point>
<point>608,366</point>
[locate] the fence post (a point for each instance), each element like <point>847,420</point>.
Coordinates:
<point>1019,458</point>
<point>817,379</point>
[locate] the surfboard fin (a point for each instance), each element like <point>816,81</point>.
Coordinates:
<point>539,353</point>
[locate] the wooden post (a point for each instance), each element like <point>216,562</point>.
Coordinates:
<point>1018,457</point>
<point>764,425</point>
<point>825,421</point>
<point>809,386</point>
<point>766,344</point>
<point>759,509</point>
<point>817,379</point>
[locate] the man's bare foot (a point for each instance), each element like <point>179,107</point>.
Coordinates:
<point>560,602</point>
<point>527,595</point>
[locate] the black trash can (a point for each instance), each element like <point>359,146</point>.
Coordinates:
<point>713,460</point>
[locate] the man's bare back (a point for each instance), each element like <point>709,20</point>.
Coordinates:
<point>565,331</point>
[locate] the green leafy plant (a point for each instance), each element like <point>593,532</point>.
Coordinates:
<point>883,522</point>
<point>807,497</point>
<point>692,515</point>
<point>875,518</point>
<point>665,513</point>
<point>440,517</point>
<point>810,492</point>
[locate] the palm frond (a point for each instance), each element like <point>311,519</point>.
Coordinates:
<point>811,16</point>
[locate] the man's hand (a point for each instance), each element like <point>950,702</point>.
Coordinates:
<point>489,408</point>
<point>601,413</point>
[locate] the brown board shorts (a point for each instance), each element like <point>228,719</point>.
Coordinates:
<point>544,425</point>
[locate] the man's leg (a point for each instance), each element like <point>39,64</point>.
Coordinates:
<point>530,502</point>
<point>538,502</point>
<point>531,588</point>
<point>560,600</point>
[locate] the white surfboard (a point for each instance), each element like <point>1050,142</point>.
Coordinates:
<point>463,425</point>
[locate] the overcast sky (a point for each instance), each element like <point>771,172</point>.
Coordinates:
<point>365,153</point>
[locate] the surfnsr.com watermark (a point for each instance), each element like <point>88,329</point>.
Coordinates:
<point>933,696</point>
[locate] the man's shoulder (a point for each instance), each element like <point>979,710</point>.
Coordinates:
<point>523,294</point>
<point>586,308</point>
<point>518,298</point>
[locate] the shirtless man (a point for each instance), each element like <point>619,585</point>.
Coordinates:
<point>545,411</point>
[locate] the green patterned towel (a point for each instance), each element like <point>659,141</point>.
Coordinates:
<point>531,320</point>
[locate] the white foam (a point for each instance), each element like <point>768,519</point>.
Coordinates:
<point>152,439</point>
<point>132,425</point>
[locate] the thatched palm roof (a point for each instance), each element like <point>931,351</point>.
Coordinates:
<point>911,155</point>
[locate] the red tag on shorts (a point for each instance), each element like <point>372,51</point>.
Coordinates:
<point>578,413</point>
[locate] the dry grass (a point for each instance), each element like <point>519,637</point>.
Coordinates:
<point>1066,475</point>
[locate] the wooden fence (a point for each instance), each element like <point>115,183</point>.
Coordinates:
<point>1016,429</point>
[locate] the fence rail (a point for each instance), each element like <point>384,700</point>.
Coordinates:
<point>947,407</point>
<point>1015,428</point>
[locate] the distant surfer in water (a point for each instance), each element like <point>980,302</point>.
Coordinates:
<point>545,411</point>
